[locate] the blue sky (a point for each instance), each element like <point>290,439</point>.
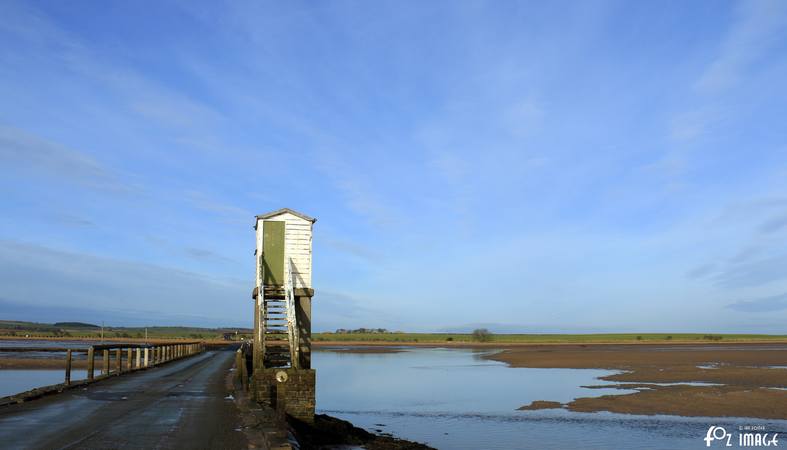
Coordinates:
<point>527,166</point>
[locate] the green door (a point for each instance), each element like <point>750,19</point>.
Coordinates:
<point>273,253</point>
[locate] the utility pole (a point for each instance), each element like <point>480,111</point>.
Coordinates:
<point>102,331</point>
<point>146,335</point>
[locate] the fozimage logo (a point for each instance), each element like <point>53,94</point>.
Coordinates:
<point>747,436</point>
<point>717,434</point>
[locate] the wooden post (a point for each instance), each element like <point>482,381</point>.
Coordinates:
<point>237,366</point>
<point>68,367</point>
<point>106,362</point>
<point>129,359</point>
<point>240,367</point>
<point>90,364</point>
<point>146,357</point>
<point>139,357</point>
<point>258,332</point>
<point>118,360</point>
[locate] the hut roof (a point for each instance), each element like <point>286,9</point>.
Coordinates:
<point>286,210</point>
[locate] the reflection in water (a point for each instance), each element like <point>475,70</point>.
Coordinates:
<point>453,399</point>
<point>16,381</point>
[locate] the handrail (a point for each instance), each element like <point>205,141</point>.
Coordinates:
<point>135,357</point>
<point>292,322</point>
<point>259,317</point>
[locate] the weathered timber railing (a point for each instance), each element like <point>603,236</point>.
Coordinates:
<point>116,359</point>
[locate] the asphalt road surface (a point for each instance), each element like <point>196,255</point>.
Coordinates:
<point>182,404</point>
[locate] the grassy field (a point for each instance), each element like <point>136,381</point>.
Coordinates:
<point>76,330</point>
<point>544,338</point>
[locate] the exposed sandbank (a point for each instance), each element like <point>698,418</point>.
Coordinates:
<point>748,385</point>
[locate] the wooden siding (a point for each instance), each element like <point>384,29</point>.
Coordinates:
<point>297,246</point>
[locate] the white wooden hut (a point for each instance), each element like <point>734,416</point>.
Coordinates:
<point>283,236</point>
<point>283,290</point>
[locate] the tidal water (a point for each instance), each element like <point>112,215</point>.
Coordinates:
<point>15,381</point>
<point>454,399</point>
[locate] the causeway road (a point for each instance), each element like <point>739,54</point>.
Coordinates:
<point>185,404</point>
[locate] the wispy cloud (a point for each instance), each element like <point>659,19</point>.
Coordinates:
<point>353,248</point>
<point>765,304</point>
<point>88,281</point>
<point>755,273</point>
<point>204,254</point>
<point>775,224</point>
<point>759,26</point>
<point>206,202</point>
<point>357,189</point>
<point>72,220</point>
<point>42,158</point>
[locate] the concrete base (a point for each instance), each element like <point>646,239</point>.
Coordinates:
<point>297,393</point>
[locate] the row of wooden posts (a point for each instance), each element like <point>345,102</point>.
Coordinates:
<point>138,356</point>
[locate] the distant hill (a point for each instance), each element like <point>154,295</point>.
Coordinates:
<point>75,325</point>
<point>89,330</point>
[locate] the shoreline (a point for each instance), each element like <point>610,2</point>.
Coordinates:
<point>497,341</point>
<point>738,379</point>
<point>506,345</point>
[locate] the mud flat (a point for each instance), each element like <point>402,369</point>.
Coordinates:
<point>715,380</point>
<point>40,363</point>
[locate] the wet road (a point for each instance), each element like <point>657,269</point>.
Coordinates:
<point>179,405</point>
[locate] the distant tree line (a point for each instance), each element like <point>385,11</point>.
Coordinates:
<point>482,335</point>
<point>362,330</point>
